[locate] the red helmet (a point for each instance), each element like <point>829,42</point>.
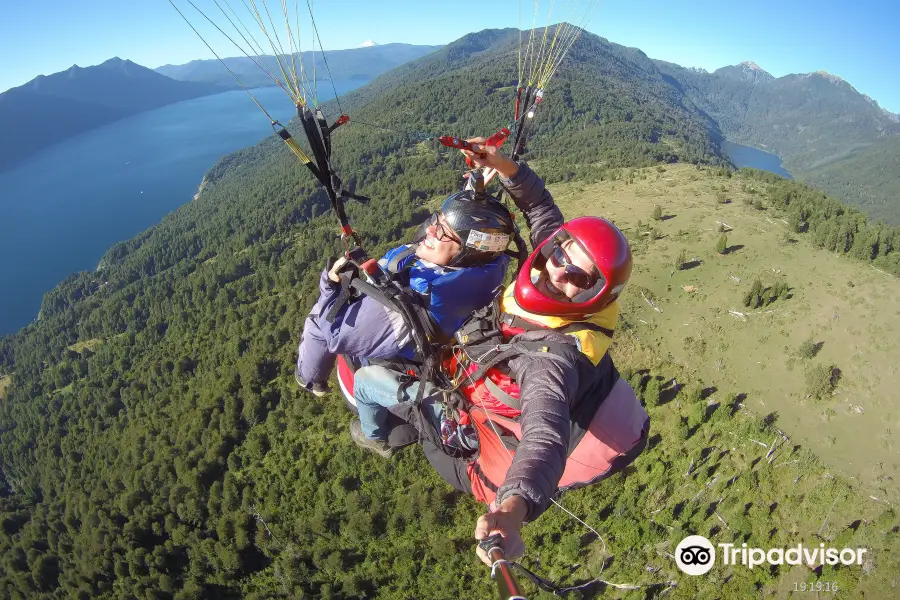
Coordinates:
<point>606,246</point>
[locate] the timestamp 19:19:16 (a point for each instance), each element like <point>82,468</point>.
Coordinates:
<point>815,586</point>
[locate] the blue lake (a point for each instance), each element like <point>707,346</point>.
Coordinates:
<point>65,206</point>
<point>745,156</point>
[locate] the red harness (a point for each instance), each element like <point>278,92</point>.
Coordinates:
<point>616,428</point>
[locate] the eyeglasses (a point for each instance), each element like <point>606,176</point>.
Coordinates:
<point>441,231</point>
<point>574,274</point>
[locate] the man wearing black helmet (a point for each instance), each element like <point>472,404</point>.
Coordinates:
<point>453,269</point>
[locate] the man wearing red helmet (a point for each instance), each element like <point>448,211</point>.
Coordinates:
<point>545,410</point>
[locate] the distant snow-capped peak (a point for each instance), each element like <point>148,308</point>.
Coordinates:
<point>367,44</point>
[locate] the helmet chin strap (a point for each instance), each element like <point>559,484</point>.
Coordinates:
<point>421,232</point>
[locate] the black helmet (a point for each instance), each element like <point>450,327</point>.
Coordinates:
<point>483,224</point>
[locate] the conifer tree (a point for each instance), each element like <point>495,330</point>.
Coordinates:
<point>722,244</point>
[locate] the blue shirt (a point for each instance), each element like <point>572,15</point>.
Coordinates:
<point>452,294</point>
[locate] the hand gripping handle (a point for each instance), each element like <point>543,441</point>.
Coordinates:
<point>507,587</point>
<point>495,140</point>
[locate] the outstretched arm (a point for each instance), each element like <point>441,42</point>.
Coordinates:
<point>546,383</point>
<point>526,188</point>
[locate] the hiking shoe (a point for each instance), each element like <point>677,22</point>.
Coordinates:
<point>316,388</point>
<point>379,447</point>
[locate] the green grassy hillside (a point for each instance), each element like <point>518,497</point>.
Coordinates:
<point>847,308</point>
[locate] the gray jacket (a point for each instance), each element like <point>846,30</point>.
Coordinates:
<point>549,385</point>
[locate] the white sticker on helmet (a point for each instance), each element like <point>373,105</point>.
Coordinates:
<point>487,242</point>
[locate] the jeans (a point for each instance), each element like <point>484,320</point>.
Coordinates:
<point>375,389</point>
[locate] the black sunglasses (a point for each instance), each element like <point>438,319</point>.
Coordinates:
<point>574,274</point>
<point>441,230</point>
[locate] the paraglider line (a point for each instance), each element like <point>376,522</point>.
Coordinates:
<point>223,64</point>
<point>325,60</point>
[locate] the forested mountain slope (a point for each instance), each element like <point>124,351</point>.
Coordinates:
<point>610,106</point>
<point>153,442</point>
<point>867,176</point>
<point>826,132</point>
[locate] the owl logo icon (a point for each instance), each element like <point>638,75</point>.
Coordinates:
<point>695,555</point>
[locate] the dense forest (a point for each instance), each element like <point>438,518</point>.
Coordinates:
<point>153,442</point>
<point>828,223</point>
<point>865,177</point>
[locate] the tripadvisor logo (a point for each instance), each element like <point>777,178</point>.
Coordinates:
<point>695,555</point>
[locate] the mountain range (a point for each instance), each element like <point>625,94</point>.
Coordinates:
<point>826,132</point>
<point>50,108</point>
<point>357,64</point>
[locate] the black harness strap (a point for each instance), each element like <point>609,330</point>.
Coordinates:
<point>476,332</point>
<point>352,196</point>
<point>576,327</point>
<point>487,482</point>
<point>393,265</point>
<point>325,131</point>
<point>520,323</point>
<point>344,297</point>
<point>316,139</point>
<point>521,251</point>
<point>415,317</point>
<point>517,348</point>
<point>395,298</point>
<point>500,395</point>
<point>510,351</point>
<point>520,137</point>
<point>318,134</point>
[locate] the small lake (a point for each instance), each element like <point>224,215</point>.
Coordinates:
<point>745,156</point>
<point>66,205</point>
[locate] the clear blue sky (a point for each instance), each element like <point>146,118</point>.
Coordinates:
<point>858,41</point>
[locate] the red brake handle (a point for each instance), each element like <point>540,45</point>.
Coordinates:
<point>343,119</point>
<point>498,138</point>
<point>495,140</point>
<point>452,142</point>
